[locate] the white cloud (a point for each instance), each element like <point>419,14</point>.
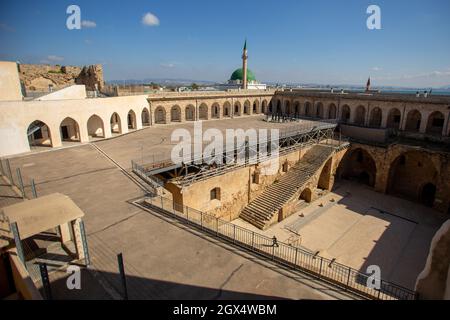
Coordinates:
<point>88,41</point>
<point>54,58</point>
<point>376,69</point>
<point>88,24</point>
<point>149,19</point>
<point>167,65</point>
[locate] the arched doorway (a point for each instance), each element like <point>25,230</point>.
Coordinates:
<point>145,117</point>
<point>287,108</point>
<point>215,111</point>
<point>115,123</point>
<point>264,106</point>
<point>297,108</point>
<point>345,114</point>
<point>435,123</point>
<point>308,109</point>
<point>375,118</point>
<point>413,121</point>
<point>227,109</point>
<point>255,109</point>
<point>332,111</point>
<point>39,134</point>
<point>175,114</point>
<point>131,120</point>
<point>160,115</point>
<point>427,194</point>
<point>278,107</point>
<point>409,173</point>
<point>237,108</point>
<point>69,130</point>
<point>319,110</point>
<point>306,195</point>
<point>190,113</point>
<point>203,112</point>
<point>394,118</point>
<point>360,115</point>
<point>247,107</point>
<point>95,127</point>
<point>358,165</point>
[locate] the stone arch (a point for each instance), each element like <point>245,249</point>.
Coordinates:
<point>227,109</point>
<point>409,173</point>
<point>160,115</point>
<point>278,107</point>
<point>145,117</point>
<point>413,121</point>
<point>319,110</point>
<point>264,106</point>
<point>189,113</point>
<point>255,108</point>
<point>95,127</point>
<point>332,111</point>
<point>175,113</point>
<point>131,120</point>
<point>360,115</point>
<point>116,126</point>
<point>345,114</point>
<point>435,123</point>
<point>203,112</point>
<point>39,134</point>
<point>215,111</point>
<point>287,108</point>
<point>358,164</point>
<point>394,117</point>
<point>324,181</point>
<point>308,112</point>
<point>237,108</point>
<point>297,108</point>
<point>375,117</point>
<point>70,130</point>
<point>247,107</point>
<point>306,195</point>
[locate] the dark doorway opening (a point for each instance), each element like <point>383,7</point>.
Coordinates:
<point>65,133</point>
<point>427,195</point>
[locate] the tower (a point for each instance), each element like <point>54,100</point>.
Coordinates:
<point>244,66</point>
<point>368,85</point>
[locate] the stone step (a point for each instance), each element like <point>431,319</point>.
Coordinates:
<point>263,208</point>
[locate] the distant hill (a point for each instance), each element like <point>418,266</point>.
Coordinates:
<point>161,81</point>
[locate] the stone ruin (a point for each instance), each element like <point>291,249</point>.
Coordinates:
<point>36,77</point>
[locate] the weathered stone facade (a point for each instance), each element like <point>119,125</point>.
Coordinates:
<point>39,77</point>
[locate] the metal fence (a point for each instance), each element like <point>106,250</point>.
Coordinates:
<point>15,179</point>
<point>293,257</point>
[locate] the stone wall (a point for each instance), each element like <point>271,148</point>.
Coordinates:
<point>433,282</point>
<point>37,77</point>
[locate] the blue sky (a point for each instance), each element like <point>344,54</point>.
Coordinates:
<point>317,41</point>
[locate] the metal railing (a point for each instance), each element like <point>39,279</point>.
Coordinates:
<point>295,258</point>
<point>15,179</point>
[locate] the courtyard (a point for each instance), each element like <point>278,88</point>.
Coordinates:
<point>360,227</point>
<point>165,259</point>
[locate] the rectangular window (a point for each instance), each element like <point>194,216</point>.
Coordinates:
<point>215,194</point>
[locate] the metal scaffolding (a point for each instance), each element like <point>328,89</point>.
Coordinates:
<point>201,167</point>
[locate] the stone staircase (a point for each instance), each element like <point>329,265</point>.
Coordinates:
<point>262,209</point>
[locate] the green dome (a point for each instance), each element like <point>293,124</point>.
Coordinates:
<point>238,74</point>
